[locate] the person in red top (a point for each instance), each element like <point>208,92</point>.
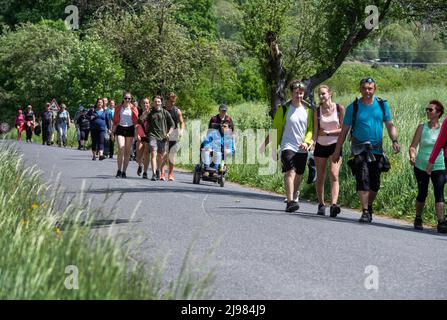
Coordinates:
<point>221,118</point>
<point>125,120</point>
<point>440,144</point>
<point>20,124</point>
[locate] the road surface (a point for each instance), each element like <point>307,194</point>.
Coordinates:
<point>259,251</point>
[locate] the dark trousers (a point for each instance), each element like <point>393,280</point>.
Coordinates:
<point>46,133</point>
<point>111,146</point>
<point>29,132</point>
<point>423,180</point>
<point>106,147</point>
<point>97,139</point>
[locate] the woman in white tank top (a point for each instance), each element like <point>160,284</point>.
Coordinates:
<point>328,120</point>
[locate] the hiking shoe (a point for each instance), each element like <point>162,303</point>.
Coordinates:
<point>292,206</point>
<point>418,223</point>
<point>118,174</point>
<point>123,175</point>
<point>139,170</point>
<point>442,226</point>
<point>154,177</point>
<point>101,158</point>
<point>162,177</point>
<point>144,175</point>
<point>157,174</point>
<point>334,211</point>
<point>366,217</point>
<point>171,177</point>
<point>321,210</point>
<point>94,158</point>
<point>296,197</point>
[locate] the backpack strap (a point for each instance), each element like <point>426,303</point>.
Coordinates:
<point>382,106</point>
<point>354,114</point>
<point>318,117</point>
<point>356,108</point>
<point>285,107</point>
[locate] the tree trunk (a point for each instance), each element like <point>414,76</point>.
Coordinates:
<point>276,76</point>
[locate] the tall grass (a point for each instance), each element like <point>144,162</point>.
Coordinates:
<point>40,243</point>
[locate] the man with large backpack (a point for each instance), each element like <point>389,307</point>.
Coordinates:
<point>364,119</point>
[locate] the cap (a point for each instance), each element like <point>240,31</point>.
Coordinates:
<point>81,108</point>
<point>223,107</point>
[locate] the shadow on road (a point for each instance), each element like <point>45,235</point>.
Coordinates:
<point>98,224</point>
<point>193,190</point>
<point>339,219</point>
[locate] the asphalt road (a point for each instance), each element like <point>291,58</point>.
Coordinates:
<point>260,252</point>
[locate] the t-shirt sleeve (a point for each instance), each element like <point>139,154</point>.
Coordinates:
<point>347,121</point>
<point>387,111</point>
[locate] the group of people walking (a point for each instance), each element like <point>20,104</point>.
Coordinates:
<point>154,131</point>
<point>301,129</point>
<point>53,121</point>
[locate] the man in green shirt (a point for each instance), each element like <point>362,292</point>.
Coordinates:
<point>160,127</point>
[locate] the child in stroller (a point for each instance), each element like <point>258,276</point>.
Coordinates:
<point>216,149</point>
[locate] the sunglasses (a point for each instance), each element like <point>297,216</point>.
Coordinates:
<point>298,85</point>
<point>429,109</point>
<point>367,80</point>
<point>127,99</point>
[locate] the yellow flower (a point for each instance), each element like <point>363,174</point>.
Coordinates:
<point>58,232</point>
<point>24,222</point>
<point>34,206</point>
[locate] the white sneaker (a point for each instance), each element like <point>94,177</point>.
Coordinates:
<point>296,198</point>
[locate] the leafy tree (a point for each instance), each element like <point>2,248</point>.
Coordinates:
<point>198,17</point>
<point>229,20</point>
<point>34,61</point>
<point>94,70</point>
<point>312,38</point>
<point>429,50</point>
<point>13,12</point>
<point>158,55</point>
<point>40,62</point>
<point>397,44</point>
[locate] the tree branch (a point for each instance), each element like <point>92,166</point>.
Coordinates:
<point>355,37</point>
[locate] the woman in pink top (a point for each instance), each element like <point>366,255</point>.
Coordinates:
<point>328,119</point>
<point>20,124</point>
<point>439,145</point>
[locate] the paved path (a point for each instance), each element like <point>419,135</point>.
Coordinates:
<point>260,252</point>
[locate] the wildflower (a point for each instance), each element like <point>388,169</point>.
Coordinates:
<point>24,222</point>
<point>34,206</point>
<point>58,232</point>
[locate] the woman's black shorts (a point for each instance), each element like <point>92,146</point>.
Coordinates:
<point>127,132</point>
<point>324,151</point>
